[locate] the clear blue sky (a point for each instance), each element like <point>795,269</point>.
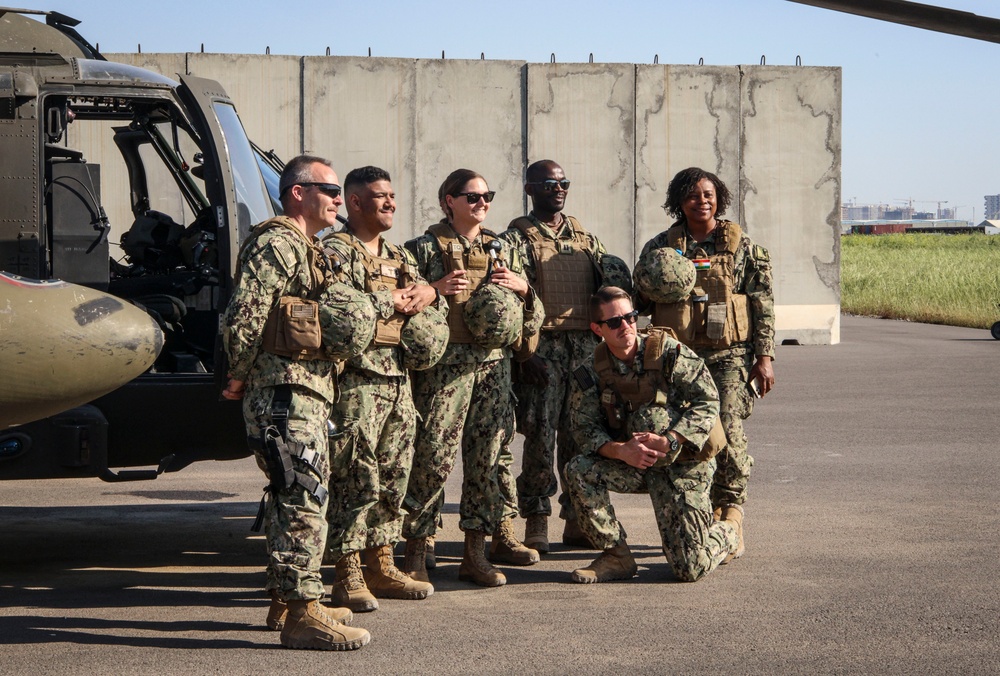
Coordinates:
<point>919,108</point>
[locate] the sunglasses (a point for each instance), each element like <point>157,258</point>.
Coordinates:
<point>474,197</point>
<point>551,185</point>
<point>616,322</point>
<point>331,190</point>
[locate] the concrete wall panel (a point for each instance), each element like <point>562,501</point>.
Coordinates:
<point>791,191</point>
<point>583,117</point>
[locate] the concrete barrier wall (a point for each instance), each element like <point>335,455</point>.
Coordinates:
<point>620,131</point>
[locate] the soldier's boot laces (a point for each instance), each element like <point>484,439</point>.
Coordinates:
<point>536,533</point>
<point>278,611</point>
<point>429,559</point>
<point>350,590</point>
<point>734,515</point>
<point>415,559</point>
<point>310,626</point>
<point>506,548</point>
<point>386,581</point>
<point>573,536</point>
<point>615,563</point>
<point>475,567</point>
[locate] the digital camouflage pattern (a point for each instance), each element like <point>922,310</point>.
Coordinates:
<point>693,544</point>
<point>494,316</point>
<point>731,366</point>
<point>615,272</point>
<point>425,338</point>
<point>465,402</point>
<point>542,413</point>
<point>664,276</point>
<point>347,318</point>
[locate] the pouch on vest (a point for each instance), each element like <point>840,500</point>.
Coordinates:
<point>716,442</point>
<point>715,324</point>
<point>293,328</point>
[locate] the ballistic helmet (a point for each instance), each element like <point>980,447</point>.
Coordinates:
<point>664,276</point>
<point>347,319</point>
<point>615,272</point>
<point>424,338</point>
<point>494,316</point>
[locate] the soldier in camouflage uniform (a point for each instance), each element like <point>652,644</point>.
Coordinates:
<point>286,404</point>
<point>737,344</point>
<point>371,459</point>
<point>643,411</point>
<point>561,261</point>
<point>465,401</point>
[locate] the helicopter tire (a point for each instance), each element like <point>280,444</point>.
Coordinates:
<point>995,330</point>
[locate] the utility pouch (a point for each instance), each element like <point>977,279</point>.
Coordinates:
<point>613,410</point>
<point>293,328</point>
<point>278,459</point>
<point>715,324</point>
<point>716,442</point>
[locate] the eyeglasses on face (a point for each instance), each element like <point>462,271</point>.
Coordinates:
<point>474,197</point>
<point>616,322</point>
<point>331,190</point>
<point>551,185</point>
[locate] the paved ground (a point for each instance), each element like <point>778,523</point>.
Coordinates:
<point>872,547</point>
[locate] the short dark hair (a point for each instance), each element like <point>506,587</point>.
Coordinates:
<point>453,185</point>
<point>298,170</point>
<point>685,181</point>
<point>537,170</point>
<point>364,176</point>
<point>603,296</point>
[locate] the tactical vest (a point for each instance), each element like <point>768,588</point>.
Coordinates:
<point>292,328</point>
<point>565,275</point>
<point>713,315</point>
<point>383,274</point>
<point>621,395</point>
<point>477,265</point>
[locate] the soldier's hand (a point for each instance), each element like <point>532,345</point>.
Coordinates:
<point>234,390</point>
<point>414,298</point>
<point>452,283</point>
<point>507,279</point>
<point>764,372</point>
<point>535,372</point>
<point>639,455</point>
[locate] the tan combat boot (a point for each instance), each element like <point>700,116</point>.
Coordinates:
<point>615,563</point>
<point>278,611</point>
<point>429,559</point>
<point>415,559</point>
<point>506,548</point>
<point>717,514</point>
<point>350,590</point>
<point>573,536</point>
<point>309,626</point>
<point>734,515</point>
<point>536,533</point>
<point>388,582</point>
<point>475,567</point>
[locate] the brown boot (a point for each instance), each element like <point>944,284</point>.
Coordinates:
<point>615,563</point>
<point>350,590</point>
<point>573,536</point>
<point>278,611</point>
<point>506,548</point>
<point>475,567</point>
<point>734,515</point>
<point>717,514</point>
<point>536,533</point>
<point>415,559</point>
<point>309,626</point>
<point>388,582</point>
<point>429,559</point>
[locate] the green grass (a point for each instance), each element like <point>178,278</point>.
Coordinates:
<point>936,279</point>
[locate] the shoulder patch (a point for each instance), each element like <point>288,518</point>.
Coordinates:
<point>761,254</point>
<point>583,378</point>
<point>284,253</point>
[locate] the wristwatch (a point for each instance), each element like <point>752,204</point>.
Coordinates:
<point>675,445</point>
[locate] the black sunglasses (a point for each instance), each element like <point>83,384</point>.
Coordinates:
<point>616,322</point>
<point>474,197</point>
<point>551,184</point>
<point>331,190</point>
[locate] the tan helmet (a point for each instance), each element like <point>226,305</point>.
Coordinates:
<point>347,319</point>
<point>494,316</point>
<point>615,272</point>
<point>424,338</point>
<point>664,276</point>
<point>655,418</point>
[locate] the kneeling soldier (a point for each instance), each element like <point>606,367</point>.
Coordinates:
<point>646,418</point>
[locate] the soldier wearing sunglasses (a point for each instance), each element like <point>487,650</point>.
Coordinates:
<point>645,415</point>
<point>561,260</point>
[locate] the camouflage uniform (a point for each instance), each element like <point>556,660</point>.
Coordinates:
<point>543,412</point>
<point>466,402</point>
<point>693,544</point>
<point>371,458</point>
<point>731,366</point>
<point>273,266</point>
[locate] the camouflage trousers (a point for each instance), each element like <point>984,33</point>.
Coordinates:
<point>693,543</point>
<point>370,461</point>
<point>469,407</point>
<point>543,418</point>
<point>735,405</point>
<point>294,521</point>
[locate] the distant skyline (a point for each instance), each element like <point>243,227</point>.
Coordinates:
<point>919,107</point>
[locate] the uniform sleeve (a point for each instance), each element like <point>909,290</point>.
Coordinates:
<point>643,305</point>
<point>586,416</point>
<point>534,312</point>
<point>263,276</point>
<point>691,384</point>
<point>760,290</point>
<point>517,241</point>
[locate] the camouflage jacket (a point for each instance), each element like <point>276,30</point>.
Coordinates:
<point>690,390</point>
<point>275,265</point>
<point>430,264</point>
<point>752,276</point>
<point>384,360</point>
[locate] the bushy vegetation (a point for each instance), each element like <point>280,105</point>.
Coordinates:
<point>936,279</point>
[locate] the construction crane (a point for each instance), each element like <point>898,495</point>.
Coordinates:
<point>909,201</point>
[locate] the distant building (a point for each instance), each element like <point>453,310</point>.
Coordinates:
<point>990,227</point>
<point>992,207</point>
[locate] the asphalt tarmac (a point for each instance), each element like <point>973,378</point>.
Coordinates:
<point>872,547</point>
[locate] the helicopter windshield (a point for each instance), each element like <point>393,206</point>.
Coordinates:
<point>253,200</point>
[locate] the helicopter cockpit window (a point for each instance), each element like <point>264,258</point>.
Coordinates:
<point>253,202</point>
